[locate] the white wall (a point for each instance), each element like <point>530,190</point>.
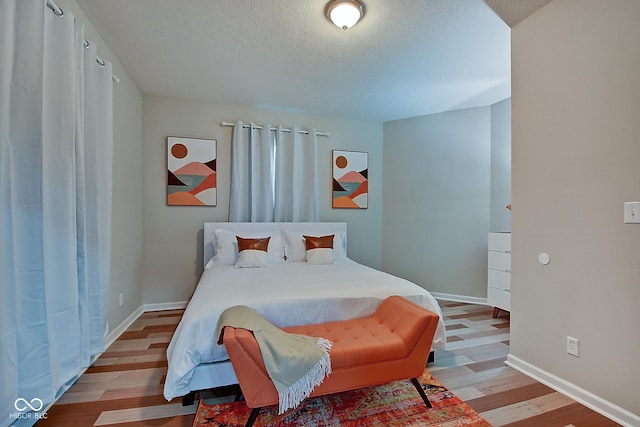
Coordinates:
<point>576,159</point>
<point>126,239</point>
<point>173,234</point>
<point>436,200</point>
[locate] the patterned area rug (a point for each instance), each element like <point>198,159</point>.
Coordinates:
<point>395,404</point>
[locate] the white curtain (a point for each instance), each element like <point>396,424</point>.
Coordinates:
<point>56,147</point>
<point>274,175</point>
<point>251,198</point>
<point>296,176</point>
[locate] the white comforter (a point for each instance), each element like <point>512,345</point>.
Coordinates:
<point>286,294</point>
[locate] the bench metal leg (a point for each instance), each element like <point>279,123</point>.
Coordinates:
<point>252,417</point>
<point>418,387</point>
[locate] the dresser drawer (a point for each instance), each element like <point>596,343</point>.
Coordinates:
<point>499,261</point>
<point>499,298</point>
<point>499,279</point>
<point>500,242</point>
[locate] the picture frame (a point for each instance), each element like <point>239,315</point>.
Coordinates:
<point>350,179</point>
<point>191,171</point>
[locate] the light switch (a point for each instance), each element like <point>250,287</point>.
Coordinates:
<point>632,212</point>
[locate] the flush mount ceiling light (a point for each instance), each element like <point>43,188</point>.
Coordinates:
<point>344,13</point>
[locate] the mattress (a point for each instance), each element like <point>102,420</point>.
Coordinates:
<point>286,294</point>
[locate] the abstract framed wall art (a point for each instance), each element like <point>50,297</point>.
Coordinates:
<point>350,179</point>
<point>191,174</point>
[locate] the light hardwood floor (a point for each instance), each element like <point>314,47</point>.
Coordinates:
<point>124,387</point>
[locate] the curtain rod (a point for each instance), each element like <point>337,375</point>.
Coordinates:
<point>59,12</point>
<point>246,126</point>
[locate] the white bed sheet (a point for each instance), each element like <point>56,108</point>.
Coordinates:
<point>286,294</point>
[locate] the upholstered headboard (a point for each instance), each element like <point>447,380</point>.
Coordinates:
<point>246,228</point>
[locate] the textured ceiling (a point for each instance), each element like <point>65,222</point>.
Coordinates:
<point>405,58</point>
<point>512,12</point>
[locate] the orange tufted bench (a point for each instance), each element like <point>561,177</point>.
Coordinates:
<point>390,345</point>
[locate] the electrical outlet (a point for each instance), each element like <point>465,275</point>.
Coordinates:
<point>573,346</point>
<point>121,299</point>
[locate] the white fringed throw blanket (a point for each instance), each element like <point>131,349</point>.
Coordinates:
<point>295,363</point>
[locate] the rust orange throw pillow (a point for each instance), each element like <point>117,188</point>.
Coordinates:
<point>252,252</point>
<point>319,249</point>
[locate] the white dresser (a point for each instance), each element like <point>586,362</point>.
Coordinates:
<point>499,272</point>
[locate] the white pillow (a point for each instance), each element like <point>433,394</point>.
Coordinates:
<point>252,258</point>
<point>319,249</point>
<point>320,256</point>
<point>340,246</point>
<point>296,251</point>
<point>225,246</point>
<point>210,264</point>
<point>294,247</point>
<point>253,252</point>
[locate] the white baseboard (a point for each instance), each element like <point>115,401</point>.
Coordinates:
<point>112,336</point>
<point>122,327</point>
<point>459,298</point>
<point>588,399</point>
<point>165,306</point>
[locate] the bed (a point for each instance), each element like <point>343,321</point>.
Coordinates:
<point>287,291</point>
